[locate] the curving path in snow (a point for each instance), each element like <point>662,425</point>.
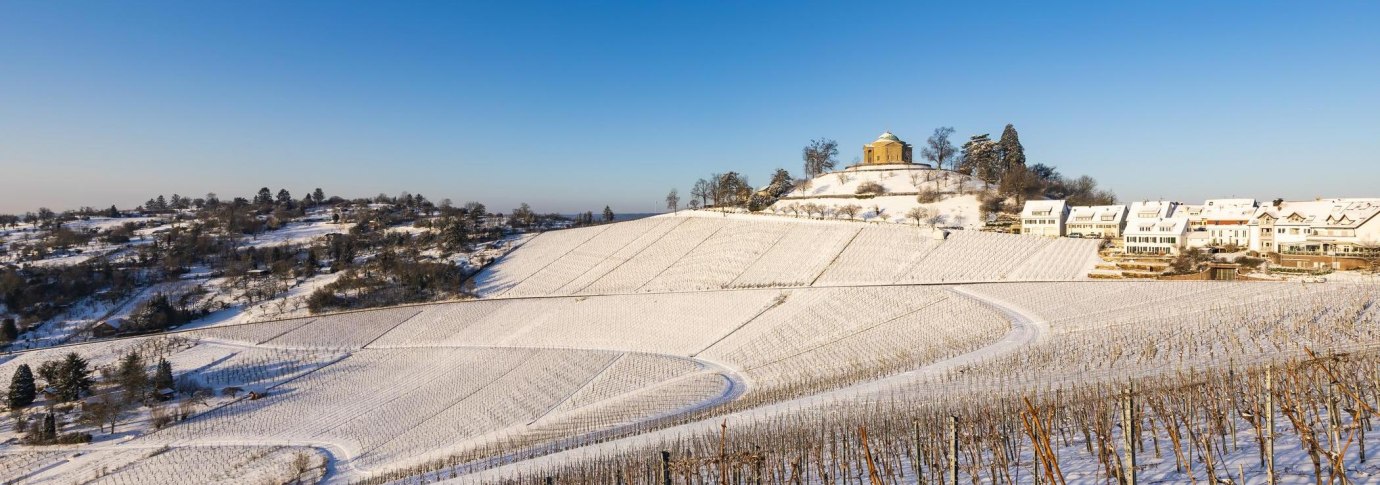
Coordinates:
<point>1026,329</point>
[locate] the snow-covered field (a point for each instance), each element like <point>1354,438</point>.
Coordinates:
<point>957,206</point>
<point>705,251</point>
<point>621,337</point>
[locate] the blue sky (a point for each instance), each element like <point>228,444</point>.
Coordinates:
<point>571,106</point>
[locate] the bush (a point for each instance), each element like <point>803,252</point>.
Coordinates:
<point>160,419</point>
<point>74,439</point>
<point>323,299</point>
<point>870,188</point>
<point>929,196</point>
<point>1249,262</point>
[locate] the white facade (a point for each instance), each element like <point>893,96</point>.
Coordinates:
<point>1333,227</point>
<point>1153,228</point>
<point>1219,222</point>
<point>1097,221</point>
<point>1044,218</point>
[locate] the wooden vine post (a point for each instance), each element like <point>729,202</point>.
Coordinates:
<point>872,475</point>
<point>666,467</point>
<point>919,473</point>
<point>723,455</point>
<point>953,450</point>
<point>1128,433</point>
<point>1269,426</point>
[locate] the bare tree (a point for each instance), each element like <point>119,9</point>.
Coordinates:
<point>850,210</point>
<point>938,149</point>
<point>819,157</point>
<point>700,191</point>
<point>917,214</point>
<point>673,201</point>
<point>935,219</point>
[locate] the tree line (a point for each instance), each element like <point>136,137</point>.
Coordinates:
<point>1000,163</point>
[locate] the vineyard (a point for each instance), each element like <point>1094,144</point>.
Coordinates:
<point>702,252</point>
<point>763,351</point>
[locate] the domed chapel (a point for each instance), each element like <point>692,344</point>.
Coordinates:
<point>888,149</point>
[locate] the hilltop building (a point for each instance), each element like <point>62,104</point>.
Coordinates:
<point>888,149</point>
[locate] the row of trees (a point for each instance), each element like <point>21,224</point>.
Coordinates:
<point>1001,162</point>
<point>721,189</point>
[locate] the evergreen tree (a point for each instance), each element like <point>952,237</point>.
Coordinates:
<point>132,377</point>
<point>112,212</point>
<point>781,183</point>
<point>74,378</point>
<point>264,197</point>
<point>22,389</point>
<point>455,234</point>
<point>979,158</point>
<point>50,372</point>
<point>284,198</point>
<point>8,330</point>
<point>319,195</point>
<point>49,431</point>
<point>608,214</point>
<point>1010,150</point>
<point>163,377</point>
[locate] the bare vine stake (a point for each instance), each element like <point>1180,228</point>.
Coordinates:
<point>666,467</point>
<point>919,476</point>
<point>1269,426</point>
<point>867,453</point>
<point>1128,432</point>
<point>723,458</point>
<point>953,450</point>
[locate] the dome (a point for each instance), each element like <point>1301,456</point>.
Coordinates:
<point>887,136</point>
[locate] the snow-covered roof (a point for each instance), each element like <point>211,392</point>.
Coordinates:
<point>1043,208</point>
<point>1157,226</point>
<point>1219,210</point>
<point>1236,203</point>
<point>1097,213</point>
<point>1151,209</point>
<point>887,136</point>
<point>1340,213</point>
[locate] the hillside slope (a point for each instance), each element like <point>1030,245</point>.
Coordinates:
<point>709,251</point>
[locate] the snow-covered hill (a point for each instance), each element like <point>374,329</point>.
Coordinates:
<point>695,250</point>
<point>954,197</point>
<point>623,337</point>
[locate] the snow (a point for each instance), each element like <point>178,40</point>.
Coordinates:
<point>696,250</point>
<point>957,206</point>
<point>297,233</point>
<point>596,333</point>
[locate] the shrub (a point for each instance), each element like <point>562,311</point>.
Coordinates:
<point>160,418</point>
<point>929,196</point>
<point>870,188</point>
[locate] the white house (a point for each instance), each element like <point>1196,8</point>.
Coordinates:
<point>1153,228</point>
<point>1324,227</point>
<point>1158,237</point>
<point>1044,218</point>
<point>1219,222</point>
<point>1097,221</point>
